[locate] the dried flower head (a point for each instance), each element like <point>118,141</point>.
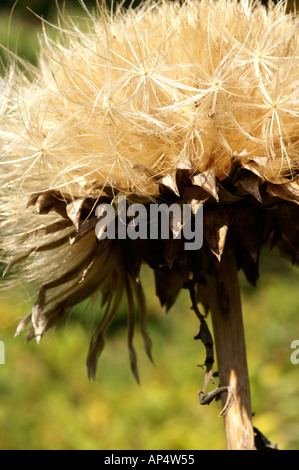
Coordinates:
<point>195,102</point>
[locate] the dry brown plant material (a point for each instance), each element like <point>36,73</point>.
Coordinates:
<point>193,103</point>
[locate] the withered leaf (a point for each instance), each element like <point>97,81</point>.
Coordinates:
<point>23,323</point>
<point>171,247</point>
<point>132,254</point>
<point>73,210</point>
<point>184,163</point>
<point>169,181</point>
<point>255,165</point>
<point>215,228</point>
<point>17,260</point>
<point>226,198</point>
<point>96,348</point>
<point>207,181</point>
<point>288,223</point>
<point>131,328</point>
<point>40,232</point>
<point>84,229</point>
<point>286,250</point>
<point>249,183</point>
<point>245,262</point>
<point>248,222</point>
<point>202,296</point>
<point>287,191</point>
<point>50,200</point>
<point>140,299</point>
<point>169,282</point>
<point>154,254</point>
<point>194,195</point>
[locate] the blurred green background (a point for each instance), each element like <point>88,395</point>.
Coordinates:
<point>46,400</point>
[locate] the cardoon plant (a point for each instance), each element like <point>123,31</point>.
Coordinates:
<point>193,103</point>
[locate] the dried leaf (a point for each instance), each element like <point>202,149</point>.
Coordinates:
<point>40,232</point>
<point>288,191</point>
<point>249,223</point>
<point>169,181</point>
<point>207,181</point>
<point>96,348</point>
<point>194,195</point>
<point>202,295</point>
<point>249,183</point>
<point>84,229</point>
<point>73,273</point>
<point>55,244</point>
<point>73,210</point>
<point>49,319</point>
<point>215,227</point>
<point>288,223</point>
<point>169,282</point>
<point>17,260</point>
<point>253,164</point>
<point>184,163</point>
<point>154,254</point>
<point>22,325</point>
<point>97,342</point>
<point>132,254</point>
<point>131,328</point>
<point>140,299</point>
<point>50,200</point>
<point>226,198</point>
<point>37,308</point>
<point>288,251</point>
<point>171,248</point>
<point>245,261</point>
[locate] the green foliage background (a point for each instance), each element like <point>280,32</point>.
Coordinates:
<point>47,402</point>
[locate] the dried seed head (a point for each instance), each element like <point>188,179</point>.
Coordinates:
<point>196,103</point>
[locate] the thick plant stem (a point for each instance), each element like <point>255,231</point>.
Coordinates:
<point>226,309</point>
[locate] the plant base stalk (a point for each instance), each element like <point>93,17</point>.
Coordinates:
<point>226,310</point>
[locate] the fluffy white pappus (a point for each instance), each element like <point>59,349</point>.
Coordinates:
<point>162,86</point>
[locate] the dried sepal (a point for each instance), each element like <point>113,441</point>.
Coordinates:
<point>141,306</point>
<point>169,281</point>
<point>131,329</point>
<point>49,201</point>
<point>194,195</point>
<point>41,232</point>
<point>86,227</point>
<point>249,183</point>
<point>169,181</point>
<point>73,210</point>
<point>287,191</point>
<point>215,228</point>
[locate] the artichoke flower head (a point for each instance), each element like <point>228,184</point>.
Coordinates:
<point>194,103</point>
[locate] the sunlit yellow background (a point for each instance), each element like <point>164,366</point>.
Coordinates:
<point>47,402</point>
